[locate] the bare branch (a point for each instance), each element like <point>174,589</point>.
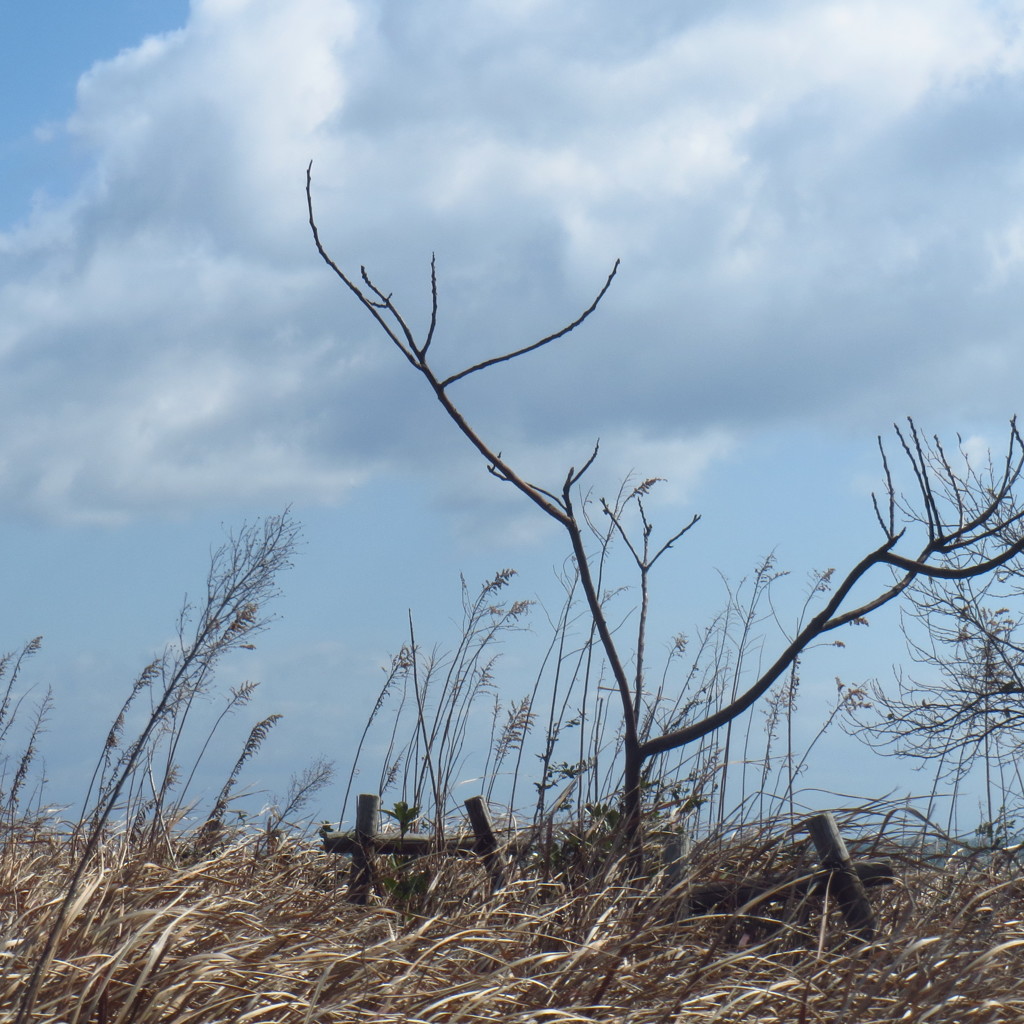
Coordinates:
<point>916,458</point>
<point>422,352</point>
<point>572,477</point>
<point>386,303</point>
<point>890,529</point>
<point>664,547</point>
<point>949,573</point>
<point>620,530</point>
<point>368,304</point>
<point>543,341</point>
<point>990,522</point>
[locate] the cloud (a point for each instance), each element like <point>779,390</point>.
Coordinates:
<point>816,204</point>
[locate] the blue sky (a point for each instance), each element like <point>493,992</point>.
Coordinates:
<point>818,209</point>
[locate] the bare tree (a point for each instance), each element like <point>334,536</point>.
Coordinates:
<point>965,527</point>
<point>975,694</point>
<point>966,709</point>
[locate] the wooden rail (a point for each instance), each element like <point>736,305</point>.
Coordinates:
<point>838,876</point>
<point>364,842</point>
<point>749,893</point>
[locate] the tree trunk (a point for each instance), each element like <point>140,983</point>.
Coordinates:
<point>632,812</point>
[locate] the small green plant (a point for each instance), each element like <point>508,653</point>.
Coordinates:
<point>561,771</point>
<point>406,886</point>
<point>603,817</point>
<point>404,815</point>
<point>997,833</point>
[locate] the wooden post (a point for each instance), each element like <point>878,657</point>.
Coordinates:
<point>486,842</point>
<point>674,857</point>
<point>367,823</point>
<point>846,883</point>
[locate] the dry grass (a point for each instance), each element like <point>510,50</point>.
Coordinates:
<point>243,935</point>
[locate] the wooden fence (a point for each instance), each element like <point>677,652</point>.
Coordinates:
<point>838,876</point>
<point>365,841</point>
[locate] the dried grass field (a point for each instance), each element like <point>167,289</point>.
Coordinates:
<point>132,915</point>
<point>251,932</point>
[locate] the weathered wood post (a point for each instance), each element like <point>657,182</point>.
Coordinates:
<point>675,861</point>
<point>367,824</point>
<point>486,842</point>
<point>846,883</point>
<point>675,856</point>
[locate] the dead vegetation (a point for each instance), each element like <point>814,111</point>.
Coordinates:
<point>243,934</point>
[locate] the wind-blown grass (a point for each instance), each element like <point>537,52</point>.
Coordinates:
<point>125,917</point>
<point>242,934</point>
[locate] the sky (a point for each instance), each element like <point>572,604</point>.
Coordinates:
<point>818,210</point>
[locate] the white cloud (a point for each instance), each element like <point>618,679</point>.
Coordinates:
<point>817,204</point>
